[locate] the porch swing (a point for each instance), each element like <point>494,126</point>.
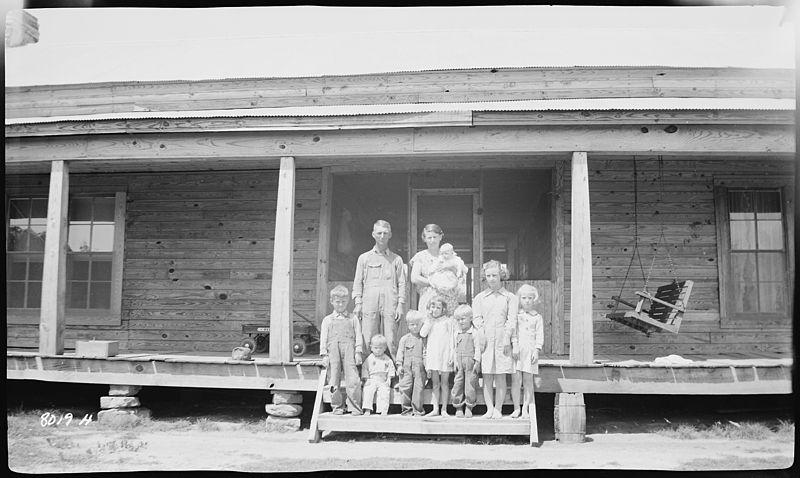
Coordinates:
<point>665,308</point>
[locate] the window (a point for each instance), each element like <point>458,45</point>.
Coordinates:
<point>755,254</point>
<point>95,238</point>
<point>27,219</point>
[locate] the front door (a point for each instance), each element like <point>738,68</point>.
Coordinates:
<point>458,212</point>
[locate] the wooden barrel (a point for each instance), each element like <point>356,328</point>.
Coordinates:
<point>569,416</point>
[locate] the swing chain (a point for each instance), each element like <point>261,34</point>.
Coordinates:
<point>661,237</point>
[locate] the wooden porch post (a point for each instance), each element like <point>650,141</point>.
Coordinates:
<point>280,329</point>
<point>581,346</point>
<point>52,322</point>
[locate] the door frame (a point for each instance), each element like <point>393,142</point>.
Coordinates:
<point>477,226</point>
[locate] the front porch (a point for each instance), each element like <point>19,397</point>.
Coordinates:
<point>723,374</point>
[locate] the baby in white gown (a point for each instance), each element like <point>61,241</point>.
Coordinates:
<point>448,271</point>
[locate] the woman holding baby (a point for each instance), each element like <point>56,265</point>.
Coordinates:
<point>431,270</point>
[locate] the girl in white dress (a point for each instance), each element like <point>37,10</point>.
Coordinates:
<point>438,328</point>
<point>530,326</point>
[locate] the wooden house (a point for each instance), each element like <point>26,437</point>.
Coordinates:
<point>165,215</point>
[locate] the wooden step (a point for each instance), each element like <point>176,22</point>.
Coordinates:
<point>424,425</point>
<point>325,420</point>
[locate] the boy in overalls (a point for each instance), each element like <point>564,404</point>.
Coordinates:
<point>467,349</point>
<point>410,365</point>
<point>340,348</point>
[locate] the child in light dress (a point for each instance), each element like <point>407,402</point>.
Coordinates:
<point>438,328</point>
<point>378,370</point>
<point>530,326</point>
<point>495,313</point>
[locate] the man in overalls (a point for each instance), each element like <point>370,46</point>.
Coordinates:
<point>379,288</point>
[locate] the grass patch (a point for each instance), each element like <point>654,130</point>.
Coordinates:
<point>730,430</point>
<point>206,425</point>
<point>730,462</point>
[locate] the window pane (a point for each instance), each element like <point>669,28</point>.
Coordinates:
<point>745,297</point>
<point>15,292</point>
<point>103,238</point>
<point>100,296</point>
<point>19,209</point>
<point>772,297</point>
<point>17,271</point>
<point>76,269</point>
<point>34,295</point>
<point>79,238</point>
<point>741,201</point>
<point>768,201</point>
<point>770,235</point>
<point>35,270</point>
<point>77,295</point>
<point>101,270</point>
<point>771,267</point>
<point>39,209</point>
<point>743,235</point>
<point>38,235</point>
<point>104,209</point>
<point>80,209</point>
<point>742,216</point>
<point>17,238</point>
<point>743,267</point>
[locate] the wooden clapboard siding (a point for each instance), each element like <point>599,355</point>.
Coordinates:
<point>408,87</point>
<point>685,204</point>
<point>198,257</point>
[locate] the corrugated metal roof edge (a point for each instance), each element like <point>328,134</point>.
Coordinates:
<point>396,72</point>
<point>211,114</point>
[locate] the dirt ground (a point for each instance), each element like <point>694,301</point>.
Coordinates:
<point>86,449</point>
<point>198,430</point>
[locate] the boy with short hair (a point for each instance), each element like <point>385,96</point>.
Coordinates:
<point>467,348</point>
<point>377,371</point>
<point>341,351</point>
<point>411,366</point>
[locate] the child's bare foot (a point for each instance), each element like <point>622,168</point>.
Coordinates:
<point>525,414</point>
<point>433,413</point>
<point>489,413</point>
<point>467,412</point>
<point>516,413</point>
<point>338,411</point>
<point>384,413</point>
<point>459,413</point>
<point>496,413</point>
<point>356,413</point>
<point>444,412</point>
<point>367,412</point>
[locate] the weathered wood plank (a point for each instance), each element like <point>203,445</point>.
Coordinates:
<point>323,241</point>
<point>581,349</point>
<point>54,276</point>
<point>280,338</point>
<point>709,139</point>
<point>440,86</point>
<point>557,261</point>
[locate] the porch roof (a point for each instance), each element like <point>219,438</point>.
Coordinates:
<point>449,110</point>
